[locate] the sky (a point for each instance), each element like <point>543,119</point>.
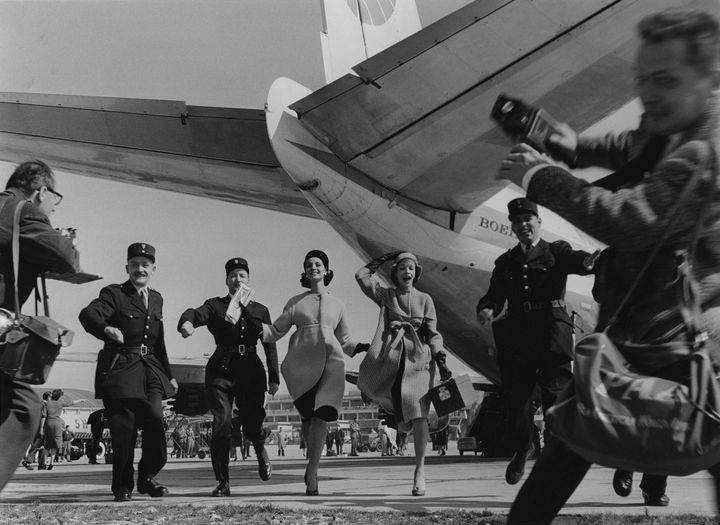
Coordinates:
<point>210,52</point>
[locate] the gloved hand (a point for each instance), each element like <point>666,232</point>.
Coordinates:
<point>379,261</point>
<point>360,347</point>
<point>590,260</point>
<point>445,372</point>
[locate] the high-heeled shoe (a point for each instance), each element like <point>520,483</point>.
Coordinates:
<point>418,485</point>
<point>309,491</point>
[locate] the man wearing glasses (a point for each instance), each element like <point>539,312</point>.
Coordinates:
<point>42,249</point>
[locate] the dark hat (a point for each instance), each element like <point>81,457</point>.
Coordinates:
<point>304,281</point>
<point>141,249</point>
<point>320,255</point>
<point>234,264</point>
<point>522,205</point>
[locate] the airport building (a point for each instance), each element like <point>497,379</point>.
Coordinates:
<point>282,413</point>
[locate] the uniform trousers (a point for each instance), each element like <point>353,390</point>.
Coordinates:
<point>94,449</point>
<point>651,484</point>
<point>19,420</point>
<point>519,374</point>
<point>251,414</point>
<point>555,476</point>
<point>125,417</point>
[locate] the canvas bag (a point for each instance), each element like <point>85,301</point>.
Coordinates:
<point>29,348</point>
<point>616,415</point>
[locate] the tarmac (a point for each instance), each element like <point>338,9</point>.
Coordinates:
<point>367,482</point>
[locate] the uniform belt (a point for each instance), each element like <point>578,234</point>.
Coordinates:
<point>137,350</point>
<point>240,349</point>
<point>532,306</point>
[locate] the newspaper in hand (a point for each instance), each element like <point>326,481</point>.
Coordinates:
<point>242,297</point>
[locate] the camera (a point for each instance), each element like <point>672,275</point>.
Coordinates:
<point>520,119</point>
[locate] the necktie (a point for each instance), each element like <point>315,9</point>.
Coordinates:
<point>144,296</point>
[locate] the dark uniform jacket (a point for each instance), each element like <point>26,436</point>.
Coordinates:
<point>532,286</point>
<point>121,368</point>
<point>227,368</point>
<point>42,248</point>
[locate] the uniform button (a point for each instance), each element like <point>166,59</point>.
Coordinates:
<point>147,327</point>
<point>525,276</point>
<point>525,265</point>
<point>526,287</point>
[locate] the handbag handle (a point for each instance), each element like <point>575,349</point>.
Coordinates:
<point>690,313</point>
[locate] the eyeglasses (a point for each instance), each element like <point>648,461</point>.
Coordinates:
<point>57,194</point>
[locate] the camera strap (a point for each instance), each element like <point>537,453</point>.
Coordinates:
<point>16,252</point>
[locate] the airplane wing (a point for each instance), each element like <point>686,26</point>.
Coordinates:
<point>219,153</point>
<point>416,119</point>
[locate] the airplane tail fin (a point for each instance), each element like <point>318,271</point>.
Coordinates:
<point>355,30</point>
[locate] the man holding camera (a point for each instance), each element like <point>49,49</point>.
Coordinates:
<point>678,77</point>
<point>42,249</point>
<point>234,372</point>
<point>133,374</point>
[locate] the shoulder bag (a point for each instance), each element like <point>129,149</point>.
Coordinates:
<point>30,346</point>
<point>661,418</point>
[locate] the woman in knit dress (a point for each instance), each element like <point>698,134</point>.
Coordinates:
<point>399,368</point>
<point>314,368</point>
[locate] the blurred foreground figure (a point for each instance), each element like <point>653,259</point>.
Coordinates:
<point>677,80</point>
<point>42,249</point>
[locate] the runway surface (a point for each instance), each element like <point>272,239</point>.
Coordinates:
<point>365,482</point>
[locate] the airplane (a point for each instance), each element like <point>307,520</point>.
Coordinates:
<point>396,151</point>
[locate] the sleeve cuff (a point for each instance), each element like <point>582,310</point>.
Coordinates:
<point>529,175</point>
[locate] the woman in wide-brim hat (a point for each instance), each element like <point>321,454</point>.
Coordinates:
<point>314,367</point>
<point>399,368</point>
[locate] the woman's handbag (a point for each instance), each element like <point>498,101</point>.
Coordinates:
<point>659,415</point>
<point>31,345</point>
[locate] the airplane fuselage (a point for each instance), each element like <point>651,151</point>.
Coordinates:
<point>457,257</point>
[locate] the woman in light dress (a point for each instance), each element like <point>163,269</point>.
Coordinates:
<point>399,368</point>
<point>314,368</point>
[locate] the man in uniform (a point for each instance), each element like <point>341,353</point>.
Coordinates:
<point>42,249</point>
<point>133,373</point>
<point>534,340</point>
<point>235,373</point>
<point>96,420</point>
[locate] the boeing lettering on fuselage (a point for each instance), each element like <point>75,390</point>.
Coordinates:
<point>495,226</point>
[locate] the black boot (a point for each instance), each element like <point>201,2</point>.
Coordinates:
<point>222,490</point>
<point>264,466</point>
